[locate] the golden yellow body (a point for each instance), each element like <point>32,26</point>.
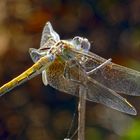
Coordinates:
<point>28,74</point>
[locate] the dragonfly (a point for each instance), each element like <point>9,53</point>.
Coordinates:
<point>61,61</point>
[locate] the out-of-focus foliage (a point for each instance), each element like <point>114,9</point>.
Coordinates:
<point>92,133</point>
<point>133,133</point>
<point>35,112</point>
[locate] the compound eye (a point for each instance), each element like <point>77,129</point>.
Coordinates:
<point>81,43</point>
<point>85,45</point>
<point>77,40</point>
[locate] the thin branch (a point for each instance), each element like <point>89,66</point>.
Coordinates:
<point>82,108</point>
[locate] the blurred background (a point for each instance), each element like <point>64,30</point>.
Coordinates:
<point>35,112</point>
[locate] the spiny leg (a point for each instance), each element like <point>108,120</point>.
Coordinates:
<point>99,67</point>
<point>67,70</point>
<point>69,66</point>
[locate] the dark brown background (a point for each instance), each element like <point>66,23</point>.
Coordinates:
<point>35,112</point>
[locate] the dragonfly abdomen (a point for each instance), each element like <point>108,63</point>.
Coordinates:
<point>27,75</point>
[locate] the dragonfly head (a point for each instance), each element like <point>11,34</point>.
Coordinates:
<point>81,44</point>
<point>65,47</point>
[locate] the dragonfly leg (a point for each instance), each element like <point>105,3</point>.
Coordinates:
<point>71,64</point>
<point>67,71</point>
<point>99,67</point>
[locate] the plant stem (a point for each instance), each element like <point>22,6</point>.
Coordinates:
<point>82,110</point>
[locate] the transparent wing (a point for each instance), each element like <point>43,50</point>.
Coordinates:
<point>35,54</point>
<point>96,91</point>
<point>121,79</point>
<point>101,94</point>
<point>48,33</point>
